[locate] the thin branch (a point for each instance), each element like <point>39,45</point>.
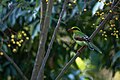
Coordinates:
<point>82,48</point>
<point>43,11</point>
<point>9,13</point>
<point>52,40</point>
<point>43,38</point>
<point>70,62</point>
<point>15,65</point>
<point>42,15</point>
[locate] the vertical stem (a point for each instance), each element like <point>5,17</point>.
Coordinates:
<point>51,42</point>
<point>43,38</point>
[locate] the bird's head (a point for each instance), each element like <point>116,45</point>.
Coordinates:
<point>74,29</point>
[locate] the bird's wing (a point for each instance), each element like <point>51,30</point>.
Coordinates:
<point>79,38</point>
<point>81,34</point>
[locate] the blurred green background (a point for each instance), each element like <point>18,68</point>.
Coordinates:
<point>23,24</point>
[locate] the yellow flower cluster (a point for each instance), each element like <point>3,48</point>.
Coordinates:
<point>108,4</point>
<point>100,14</point>
<point>17,40</point>
<point>104,34</point>
<point>111,27</point>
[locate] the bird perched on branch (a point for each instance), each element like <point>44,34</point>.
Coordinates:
<point>82,39</point>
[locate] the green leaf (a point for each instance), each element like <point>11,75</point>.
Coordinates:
<point>5,64</point>
<point>115,57</point>
<point>3,26</point>
<point>4,47</point>
<point>80,63</point>
<point>13,71</point>
<point>37,3</point>
<point>1,8</point>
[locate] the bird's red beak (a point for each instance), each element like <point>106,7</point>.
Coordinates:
<point>70,30</point>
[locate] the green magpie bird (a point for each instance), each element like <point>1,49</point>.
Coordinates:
<point>82,39</point>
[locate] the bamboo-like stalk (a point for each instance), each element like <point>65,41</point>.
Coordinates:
<point>43,38</point>
<point>52,40</point>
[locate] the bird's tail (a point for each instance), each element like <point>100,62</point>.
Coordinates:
<point>91,46</point>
